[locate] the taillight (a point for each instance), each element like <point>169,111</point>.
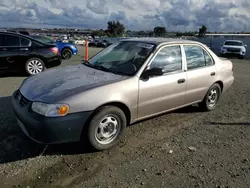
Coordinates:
<point>55,50</point>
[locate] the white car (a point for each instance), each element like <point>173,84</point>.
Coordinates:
<point>233,47</point>
<point>80,42</point>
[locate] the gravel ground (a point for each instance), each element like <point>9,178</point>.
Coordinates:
<point>185,148</point>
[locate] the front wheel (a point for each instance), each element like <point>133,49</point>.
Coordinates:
<point>106,128</point>
<point>34,66</point>
<point>212,97</point>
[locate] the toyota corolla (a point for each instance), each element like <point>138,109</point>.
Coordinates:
<point>128,81</point>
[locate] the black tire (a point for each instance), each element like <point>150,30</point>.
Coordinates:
<point>28,66</point>
<point>205,104</point>
<point>102,113</point>
<point>242,57</point>
<point>66,53</point>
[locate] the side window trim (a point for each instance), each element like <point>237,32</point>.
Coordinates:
<point>156,53</point>
<point>204,50</point>
<point>25,39</point>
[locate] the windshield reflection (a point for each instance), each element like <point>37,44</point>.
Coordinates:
<point>124,57</point>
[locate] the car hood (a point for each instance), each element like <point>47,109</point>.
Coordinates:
<point>238,47</point>
<point>59,83</point>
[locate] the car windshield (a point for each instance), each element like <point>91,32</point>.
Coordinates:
<point>233,43</point>
<point>44,39</point>
<point>124,57</point>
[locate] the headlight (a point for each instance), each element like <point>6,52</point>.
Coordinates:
<point>50,110</point>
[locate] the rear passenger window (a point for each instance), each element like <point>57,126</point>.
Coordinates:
<point>169,59</point>
<point>25,42</point>
<point>195,57</point>
<point>208,59</point>
<point>11,40</point>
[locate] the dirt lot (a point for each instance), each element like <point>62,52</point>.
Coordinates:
<point>185,148</point>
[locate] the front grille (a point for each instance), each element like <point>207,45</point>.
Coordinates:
<point>21,99</point>
<point>233,50</point>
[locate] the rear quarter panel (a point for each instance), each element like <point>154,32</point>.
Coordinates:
<point>225,67</point>
<point>224,70</point>
<point>61,46</point>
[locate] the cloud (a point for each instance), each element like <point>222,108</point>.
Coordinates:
<point>217,15</point>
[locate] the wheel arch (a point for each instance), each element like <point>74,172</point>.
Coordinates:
<point>217,82</point>
<point>220,84</point>
<point>66,47</point>
<point>36,56</point>
<point>120,105</point>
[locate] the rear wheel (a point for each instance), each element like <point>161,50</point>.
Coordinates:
<point>106,128</point>
<point>66,53</point>
<point>34,66</point>
<point>212,97</point>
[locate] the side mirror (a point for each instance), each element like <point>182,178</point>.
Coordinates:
<point>245,45</point>
<point>152,72</point>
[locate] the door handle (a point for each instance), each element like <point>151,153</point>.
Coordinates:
<point>212,73</point>
<point>23,49</point>
<point>3,49</point>
<point>181,81</point>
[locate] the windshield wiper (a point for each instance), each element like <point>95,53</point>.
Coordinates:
<point>100,67</point>
<point>111,70</point>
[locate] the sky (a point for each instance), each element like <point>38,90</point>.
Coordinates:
<point>175,15</point>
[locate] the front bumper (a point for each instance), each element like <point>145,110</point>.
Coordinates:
<point>48,130</point>
<point>74,51</point>
<point>225,52</point>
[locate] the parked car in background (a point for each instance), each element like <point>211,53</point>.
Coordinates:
<point>80,42</point>
<point>128,81</point>
<point>93,43</point>
<point>66,49</point>
<point>99,43</point>
<point>102,43</point>
<point>20,52</point>
<point>234,47</point>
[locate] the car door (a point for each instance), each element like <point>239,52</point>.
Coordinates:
<point>11,45</point>
<point>161,93</point>
<point>24,51</point>
<point>3,54</point>
<point>201,72</point>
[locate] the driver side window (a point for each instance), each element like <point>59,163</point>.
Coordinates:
<point>169,59</point>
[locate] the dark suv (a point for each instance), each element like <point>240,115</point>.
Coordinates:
<point>20,52</point>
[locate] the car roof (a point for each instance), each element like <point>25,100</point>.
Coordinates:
<point>158,41</point>
<point>24,36</point>
<point>13,33</point>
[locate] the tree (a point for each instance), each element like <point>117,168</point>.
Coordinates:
<point>115,28</point>
<point>99,33</point>
<point>160,31</point>
<point>202,30</point>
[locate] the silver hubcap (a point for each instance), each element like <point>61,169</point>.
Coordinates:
<point>35,66</point>
<point>212,97</point>
<point>66,54</point>
<point>107,130</point>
